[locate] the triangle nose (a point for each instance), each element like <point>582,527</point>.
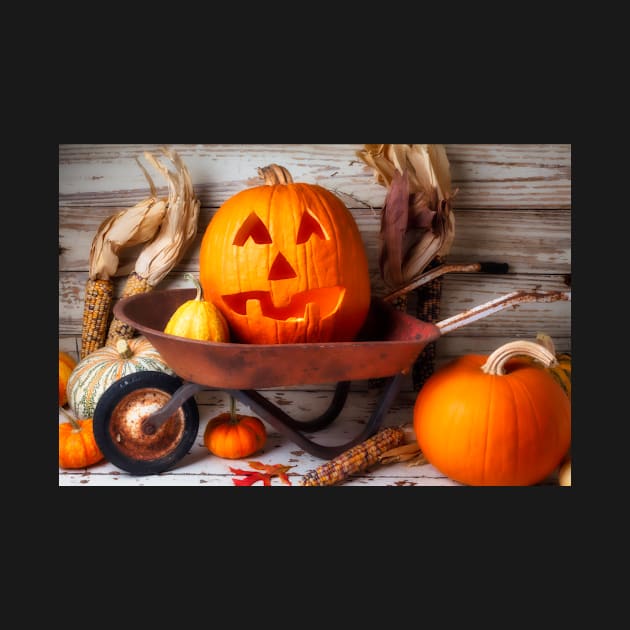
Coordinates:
<point>281,269</point>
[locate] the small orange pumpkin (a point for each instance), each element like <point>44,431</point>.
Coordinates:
<point>285,263</point>
<point>497,420</point>
<point>77,445</point>
<point>234,436</point>
<point>66,365</point>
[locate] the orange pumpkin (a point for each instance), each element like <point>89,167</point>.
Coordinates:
<point>234,436</point>
<point>77,445</point>
<point>66,365</point>
<point>285,263</point>
<point>494,420</point>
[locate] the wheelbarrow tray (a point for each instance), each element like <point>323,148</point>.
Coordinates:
<point>388,344</point>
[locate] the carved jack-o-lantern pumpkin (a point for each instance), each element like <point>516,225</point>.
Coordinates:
<point>285,263</point>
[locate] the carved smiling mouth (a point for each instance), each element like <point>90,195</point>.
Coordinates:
<point>326,301</point>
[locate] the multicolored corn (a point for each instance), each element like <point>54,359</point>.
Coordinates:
<point>118,329</point>
<point>99,295</point>
<point>427,310</point>
<point>356,459</point>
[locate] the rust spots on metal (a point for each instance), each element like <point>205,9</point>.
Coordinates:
<point>389,342</point>
<point>126,425</point>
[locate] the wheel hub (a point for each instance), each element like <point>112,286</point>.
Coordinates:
<point>126,429</point>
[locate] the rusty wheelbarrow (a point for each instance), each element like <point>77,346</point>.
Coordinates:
<point>146,422</point>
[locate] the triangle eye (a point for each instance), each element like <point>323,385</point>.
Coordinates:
<point>309,226</point>
<point>252,228</point>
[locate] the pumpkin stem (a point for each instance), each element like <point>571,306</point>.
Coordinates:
<point>275,174</point>
<point>496,361</point>
<point>123,349</point>
<point>194,280</point>
<point>546,341</point>
<point>233,418</point>
<point>76,427</point>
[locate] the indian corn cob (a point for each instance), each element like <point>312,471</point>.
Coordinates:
<point>99,294</point>
<point>176,233</point>
<point>356,459</point>
<point>117,328</point>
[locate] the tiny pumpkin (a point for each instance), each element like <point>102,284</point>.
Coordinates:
<point>66,365</point>
<point>497,420</point>
<point>285,262</point>
<point>101,368</point>
<point>234,436</point>
<point>198,319</point>
<point>77,445</point>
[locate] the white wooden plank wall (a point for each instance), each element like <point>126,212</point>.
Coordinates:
<point>513,206</point>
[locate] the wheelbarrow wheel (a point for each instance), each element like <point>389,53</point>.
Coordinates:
<point>118,421</point>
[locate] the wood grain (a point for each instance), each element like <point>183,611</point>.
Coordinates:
<point>535,176</point>
<point>534,241</point>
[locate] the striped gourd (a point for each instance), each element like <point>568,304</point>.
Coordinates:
<point>562,371</point>
<point>101,368</point>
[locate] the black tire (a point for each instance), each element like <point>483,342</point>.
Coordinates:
<point>121,440</point>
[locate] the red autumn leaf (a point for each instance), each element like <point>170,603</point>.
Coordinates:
<point>273,470</point>
<point>269,471</point>
<point>251,478</point>
<point>240,471</point>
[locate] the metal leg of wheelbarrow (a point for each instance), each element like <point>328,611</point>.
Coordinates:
<point>264,407</point>
<point>292,428</point>
<point>284,423</point>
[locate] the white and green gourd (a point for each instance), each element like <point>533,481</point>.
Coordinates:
<point>94,374</point>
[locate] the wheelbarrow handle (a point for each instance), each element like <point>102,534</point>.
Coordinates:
<point>498,304</point>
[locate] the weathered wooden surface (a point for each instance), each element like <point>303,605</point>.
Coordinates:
<point>513,205</point>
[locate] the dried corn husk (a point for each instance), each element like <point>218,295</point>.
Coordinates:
<point>179,227</point>
<point>408,452</point>
<point>417,221</point>
<point>176,232</point>
<point>127,228</point>
<point>124,229</point>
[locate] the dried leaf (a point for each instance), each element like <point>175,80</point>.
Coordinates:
<point>274,470</point>
<point>250,477</point>
<point>268,472</point>
<point>430,227</point>
<point>394,220</point>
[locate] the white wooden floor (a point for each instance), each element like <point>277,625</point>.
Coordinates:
<point>201,468</point>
